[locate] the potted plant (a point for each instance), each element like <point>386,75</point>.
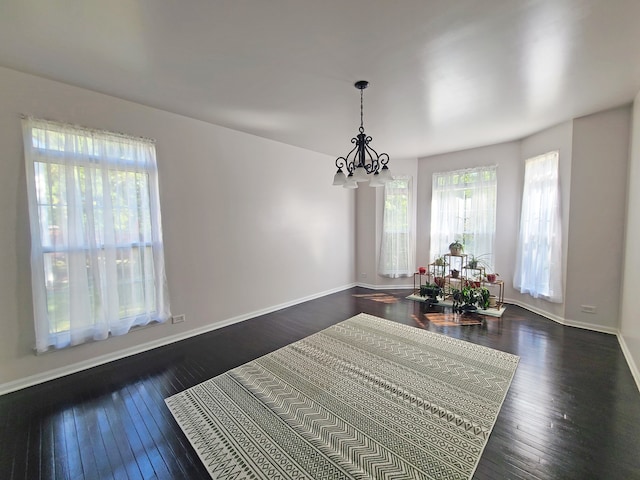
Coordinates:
<point>456,248</point>
<point>439,265</point>
<point>483,297</point>
<point>455,273</point>
<point>492,277</point>
<point>469,299</point>
<point>462,300</point>
<point>430,291</point>
<point>440,261</point>
<point>475,261</point>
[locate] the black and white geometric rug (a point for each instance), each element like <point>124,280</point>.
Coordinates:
<point>366,398</point>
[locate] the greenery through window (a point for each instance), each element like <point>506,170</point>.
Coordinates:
<point>463,208</point>
<point>397,257</point>
<point>97,255</point>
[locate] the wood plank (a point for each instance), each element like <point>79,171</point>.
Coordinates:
<point>72,447</point>
<point>59,446</point>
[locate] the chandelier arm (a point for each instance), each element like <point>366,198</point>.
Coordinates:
<point>347,162</point>
<point>377,161</point>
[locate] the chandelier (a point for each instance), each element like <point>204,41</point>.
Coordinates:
<point>362,163</point>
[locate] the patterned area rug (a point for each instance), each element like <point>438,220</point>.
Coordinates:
<point>366,398</point>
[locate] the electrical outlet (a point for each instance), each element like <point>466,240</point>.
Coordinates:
<point>588,308</point>
<point>178,318</point>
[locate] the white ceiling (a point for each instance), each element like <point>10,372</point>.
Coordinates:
<point>444,74</point>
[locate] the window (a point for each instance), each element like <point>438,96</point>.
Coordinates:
<point>97,261</point>
<point>463,208</point>
<point>397,257</point>
<point>538,269</point>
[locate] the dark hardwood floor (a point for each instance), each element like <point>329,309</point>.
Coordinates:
<point>572,412</point>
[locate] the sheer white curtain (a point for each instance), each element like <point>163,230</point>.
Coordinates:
<point>538,269</point>
<point>97,259</point>
<point>463,208</point>
<point>397,252</point>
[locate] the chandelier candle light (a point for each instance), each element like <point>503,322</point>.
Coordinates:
<point>362,160</point>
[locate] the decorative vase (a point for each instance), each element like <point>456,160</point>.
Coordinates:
<point>455,251</point>
<point>422,270</point>
<point>454,273</point>
<point>491,277</point>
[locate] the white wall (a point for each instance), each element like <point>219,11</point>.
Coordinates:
<point>366,220</point>
<point>246,226</point>
<point>630,317</point>
<point>597,222</point>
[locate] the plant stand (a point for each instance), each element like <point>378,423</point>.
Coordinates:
<point>466,275</point>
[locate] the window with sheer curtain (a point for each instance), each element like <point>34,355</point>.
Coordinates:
<point>97,261</point>
<point>463,208</point>
<point>538,270</point>
<point>397,257</point>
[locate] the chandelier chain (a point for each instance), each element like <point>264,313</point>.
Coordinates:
<point>361,111</point>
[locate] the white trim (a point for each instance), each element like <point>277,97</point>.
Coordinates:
<point>635,372</point>
<point>564,321</point>
<point>29,381</point>
<point>591,326</point>
<point>536,310</point>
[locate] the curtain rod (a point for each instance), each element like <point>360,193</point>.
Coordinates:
<point>87,129</point>
<point>463,170</point>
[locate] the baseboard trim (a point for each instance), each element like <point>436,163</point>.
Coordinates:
<point>564,321</point>
<point>590,326</point>
<point>32,380</point>
<point>635,372</point>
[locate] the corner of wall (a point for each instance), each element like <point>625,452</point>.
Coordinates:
<point>629,336</point>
